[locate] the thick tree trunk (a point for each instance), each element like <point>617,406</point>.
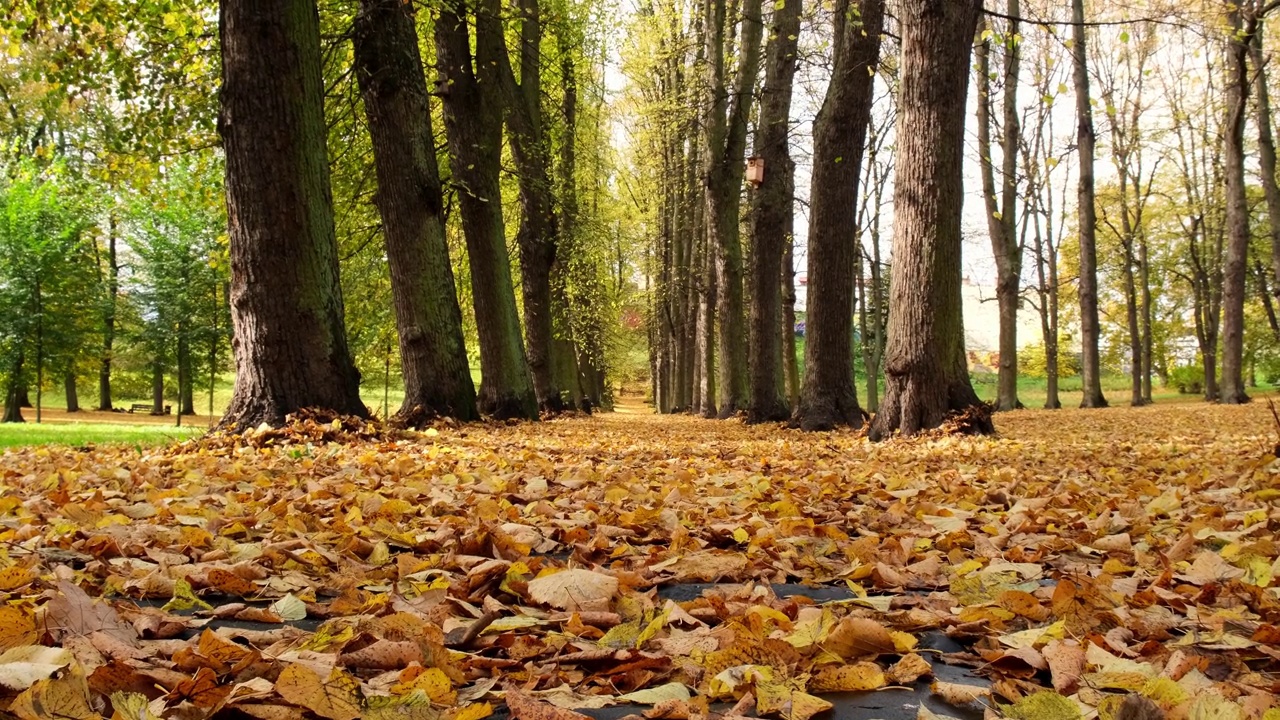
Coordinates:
<point>770,218</point>
<point>473,124</point>
<point>1234,269</point>
<point>73,397</point>
<point>726,143</point>
<point>1002,209</point>
<point>290,340</point>
<point>828,397</point>
<point>109,318</point>
<point>1091,364</point>
<point>433,355</point>
<point>927,375</point>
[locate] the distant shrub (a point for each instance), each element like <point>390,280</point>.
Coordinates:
<point>1033,362</point>
<point>1188,379</point>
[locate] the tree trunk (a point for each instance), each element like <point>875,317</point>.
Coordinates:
<point>927,375</point>
<point>12,395</point>
<point>1144,282</point>
<point>1001,213</point>
<point>186,378</point>
<point>157,388</point>
<point>726,143</point>
<point>537,235</point>
<point>473,124</point>
<point>828,397</point>
<point>1232,389</point>
<point>1091,365</point>
<point>707,331</point>
<point>433,355</point>
<point>1267,153</point>
<point>770,217</point>
<point>109,318</point>
<point>290,339</point>
<point>73,397</point>
<point>790,368</point>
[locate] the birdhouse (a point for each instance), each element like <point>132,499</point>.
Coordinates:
<point>755,170</point>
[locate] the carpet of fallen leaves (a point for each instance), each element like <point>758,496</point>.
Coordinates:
<point>1083,560</point>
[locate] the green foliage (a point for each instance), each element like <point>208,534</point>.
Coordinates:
<point>1033,362</point>
<point>177,236</point>
<point>47,275</point>
<point>1187,379</point>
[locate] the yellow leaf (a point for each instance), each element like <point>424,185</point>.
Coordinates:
<point>184,598</point>
<point>336,698</point>
<point>858,677</point>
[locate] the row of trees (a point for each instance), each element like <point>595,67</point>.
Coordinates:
<point>145,287</point>
<point>1169,240</point>
<point>287,297</point>
<point>373,177</point>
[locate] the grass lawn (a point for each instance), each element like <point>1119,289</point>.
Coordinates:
<point>74,433</point>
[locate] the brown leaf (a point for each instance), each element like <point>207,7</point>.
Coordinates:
<point>574,590</point>
<point>526,707</point>
<point>1066,659</point>
<point>858,637</point>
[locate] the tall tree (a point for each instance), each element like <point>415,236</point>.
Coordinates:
<point>1086,140</point>
<point>771,217</point>
<point>726,143</point>
<point>538,233</point>
<point>290,340</point>
<point>1267,152</point>
<point>473,110</point>
<point>828,397</point>
<point>1234,267</point>
<point>926,372</point>
<point>1002,210</point>
<point>433,357</point>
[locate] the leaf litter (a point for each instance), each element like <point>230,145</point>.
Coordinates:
<point>1118,564</point>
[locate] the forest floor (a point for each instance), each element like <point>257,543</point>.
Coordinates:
<point>669,567</point>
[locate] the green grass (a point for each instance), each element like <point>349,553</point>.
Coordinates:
<point>77,434</point>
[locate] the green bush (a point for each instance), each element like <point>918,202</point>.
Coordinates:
<point>1188,379</point>
<point>1032,362</point>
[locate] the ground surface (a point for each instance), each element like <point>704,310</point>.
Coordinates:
<point>713,568</point>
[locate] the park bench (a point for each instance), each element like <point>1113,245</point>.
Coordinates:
<point>147,408</point>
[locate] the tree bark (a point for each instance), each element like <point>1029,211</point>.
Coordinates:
<point>433,355</point>
<point>1267,153</point>
<point>109,318</point>
<point>927,375</point>
<point>828,397</point>
<point>770,217</point>
<point>290,340</point>
<point>73,397</point>
<point>13,393</point>
<point>1006,246</point>
<point>1234,267</point>
<point>473,123</point>
<point>538,233</point>
<point>726,143</point>
<point>1091,364</point>
<point>157,387</point>
<point>790,366</point>
<point>186,377</point>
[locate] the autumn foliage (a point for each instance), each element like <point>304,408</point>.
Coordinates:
<point>1077,558</point>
